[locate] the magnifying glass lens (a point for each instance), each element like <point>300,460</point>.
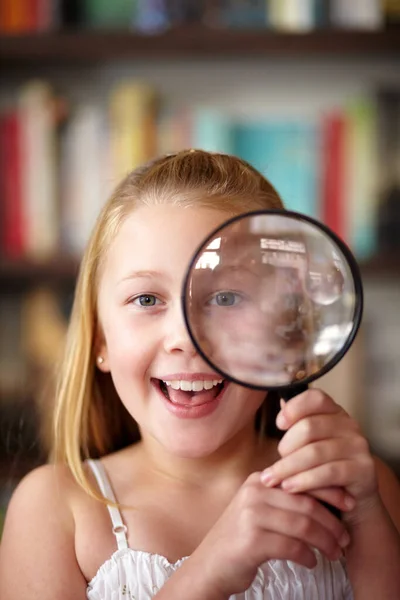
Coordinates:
<point>272,299</point>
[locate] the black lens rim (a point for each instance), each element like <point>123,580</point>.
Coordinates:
<point>358,288</point>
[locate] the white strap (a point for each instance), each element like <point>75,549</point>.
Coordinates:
<point>119,527</point>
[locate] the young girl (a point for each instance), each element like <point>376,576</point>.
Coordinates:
<point>167,481</point>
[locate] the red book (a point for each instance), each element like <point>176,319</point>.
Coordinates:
<point>333,201</point>
<point>12,221</point>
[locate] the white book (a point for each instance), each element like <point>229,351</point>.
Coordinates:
<point>85,180</point>
<point>357,14</point>
<point>39,169</point>
<point>292,15</point>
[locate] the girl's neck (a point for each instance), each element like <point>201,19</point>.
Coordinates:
<point>234,461</point>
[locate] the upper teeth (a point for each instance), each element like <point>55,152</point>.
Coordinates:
<point>193,386</point>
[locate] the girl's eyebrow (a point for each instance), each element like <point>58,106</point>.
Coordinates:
<point>141,275</point>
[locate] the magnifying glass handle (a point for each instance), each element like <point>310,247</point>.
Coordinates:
<point>292,392</point>
<point>287,395</point>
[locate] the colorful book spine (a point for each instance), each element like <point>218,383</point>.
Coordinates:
<point>242,14</point>
<point>293,15</point>
<point>84,175</point>
<point>39,167</point>
<point>211,130</point>
<point>357,14</point>
<point>109,14</point>
<point>12,212</point>
<point>133,126</point>
<point>286,153</point>
<point>362,161</point>
<point>333,210</point>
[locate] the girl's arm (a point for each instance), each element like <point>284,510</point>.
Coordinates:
<point>323,449</point>
<point>375,543</point>
<point>37,553</point>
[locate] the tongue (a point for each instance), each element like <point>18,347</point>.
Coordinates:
<point>192,398</point>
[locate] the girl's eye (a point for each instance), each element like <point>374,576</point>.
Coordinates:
<point>225,299</point>
<point>145,300</point>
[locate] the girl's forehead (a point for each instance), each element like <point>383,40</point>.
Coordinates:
<point>152,236</point>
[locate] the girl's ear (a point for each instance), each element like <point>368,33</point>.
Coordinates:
<point>101,353</point>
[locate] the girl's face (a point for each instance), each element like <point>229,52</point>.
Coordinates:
<point>175,397</point>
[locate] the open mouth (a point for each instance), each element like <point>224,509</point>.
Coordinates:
<point>201,394</point>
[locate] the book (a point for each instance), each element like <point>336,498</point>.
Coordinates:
<point>105,14</point>
<point>333,211</point>
<point>388,208</point>
<point>12,222</point>
<point>211,130</point>
<point>133,109</point>
<point>293,15</point>
<point>362,176</point>
<point>345,383</point>
<point>391,12</point>
<point>357,14</point>
<point>39,169</point>
<point>174,130</point>
<point>241,14</point>
<point>85,177</point>
<point>286,152</point>
<point>151,16</point>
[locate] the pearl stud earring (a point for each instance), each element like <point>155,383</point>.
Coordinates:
<point>100,360</point>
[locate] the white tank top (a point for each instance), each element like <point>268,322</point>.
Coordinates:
<point>131,574</point>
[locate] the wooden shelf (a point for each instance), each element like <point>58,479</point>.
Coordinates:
<point>59,271</point>
<point>387,266</point>
<point>63,271</point>
<point>85,46</point>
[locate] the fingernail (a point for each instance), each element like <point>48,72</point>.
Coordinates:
<point>282,403</point>
<point>344,540</point>
<point>267,478</point>
<point>288,485</point>
<point>281,421</point>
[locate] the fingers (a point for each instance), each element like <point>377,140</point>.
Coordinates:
<point>310,402</point>
<point>303,527</point>
<point>335,496</point>
<point>308,457</point>
<point>309,507</point>
<point>338,473</point>
<point>290,548</point>
<point>316,428</point>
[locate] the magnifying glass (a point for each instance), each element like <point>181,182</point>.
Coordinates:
<point>272,300</point>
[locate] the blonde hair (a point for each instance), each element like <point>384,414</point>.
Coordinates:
<point>89,418</point>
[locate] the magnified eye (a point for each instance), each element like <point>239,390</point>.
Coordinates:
<point>225,299</point>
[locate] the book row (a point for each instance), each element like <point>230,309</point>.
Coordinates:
<point>153,16</point>
<point>60,161</point>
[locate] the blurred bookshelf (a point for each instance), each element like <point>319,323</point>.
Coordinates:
<point>141,74</point>
<point>62,271</point>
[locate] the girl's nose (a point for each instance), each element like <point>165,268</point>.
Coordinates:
<point>176,336</point>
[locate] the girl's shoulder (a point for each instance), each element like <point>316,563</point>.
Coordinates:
<point>40,509</point>
<point>47,494</point>
<point>47,485</point>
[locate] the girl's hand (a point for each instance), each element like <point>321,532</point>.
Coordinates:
<point>323,453</point>
<point>262,524</point>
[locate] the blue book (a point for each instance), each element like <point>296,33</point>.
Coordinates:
<point>286,153</point>
<point>242,14</point>
<point>150,16</point>
<point>212,130</point>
